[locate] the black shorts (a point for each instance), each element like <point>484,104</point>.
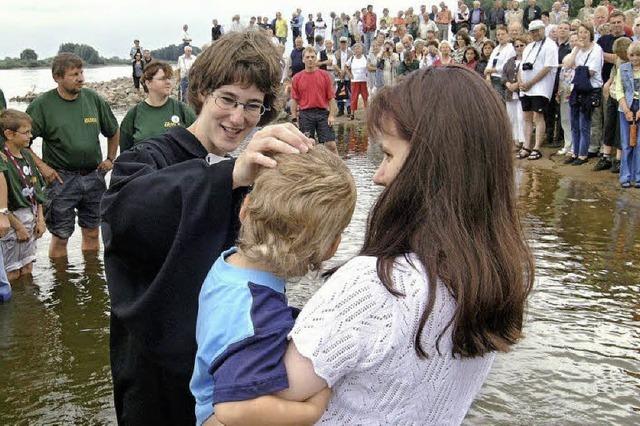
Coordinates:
<point>316,120</point>
<point>534,103</point>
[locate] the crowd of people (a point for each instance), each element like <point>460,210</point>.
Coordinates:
<point>529,55</point>
<point>432,295</point>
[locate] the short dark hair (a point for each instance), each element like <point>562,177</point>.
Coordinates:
<point>246,58</point>
<point>151,69</point>
<point>63,62</point>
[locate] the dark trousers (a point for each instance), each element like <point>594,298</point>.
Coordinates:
<point>343,95</point>
<point>552,122</point>
<point>296,34</point>
<point>611,133</point>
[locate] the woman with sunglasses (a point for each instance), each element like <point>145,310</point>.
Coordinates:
<point>511,94</point>
<point>158,112</point>
<point>171,209</point>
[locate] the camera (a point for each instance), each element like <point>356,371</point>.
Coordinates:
<point>527,66</point>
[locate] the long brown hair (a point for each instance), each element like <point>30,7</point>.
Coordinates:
<point>453,204</point>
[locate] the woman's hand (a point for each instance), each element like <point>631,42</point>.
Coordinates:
<point>280,138</point>
<point>628,115</point>
<point>637,115</point>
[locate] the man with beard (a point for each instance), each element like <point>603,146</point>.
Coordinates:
<point>69,119</point>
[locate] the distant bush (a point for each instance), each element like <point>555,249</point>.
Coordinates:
<point>29,55</point>
<point>88,54</point>
<point>171,53</point>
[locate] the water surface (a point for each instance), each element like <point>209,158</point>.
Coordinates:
<point>577,365</point>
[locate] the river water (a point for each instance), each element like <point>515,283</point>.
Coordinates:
<point>578,365</point>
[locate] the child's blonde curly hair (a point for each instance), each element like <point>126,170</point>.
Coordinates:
<point>297,211</point>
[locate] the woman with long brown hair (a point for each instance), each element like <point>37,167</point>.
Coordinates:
<point>406,332</point>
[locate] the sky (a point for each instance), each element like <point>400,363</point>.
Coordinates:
<point>110,26</point>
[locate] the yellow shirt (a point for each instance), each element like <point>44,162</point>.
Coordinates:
<point>281,28</point>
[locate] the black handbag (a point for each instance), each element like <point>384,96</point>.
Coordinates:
<point>582,77</point>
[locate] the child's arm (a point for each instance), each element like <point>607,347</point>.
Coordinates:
<point>5,223</point>
<point>40,225</point>
<point>271,410</point>
<point>304,385</point>
<point>21,232</point>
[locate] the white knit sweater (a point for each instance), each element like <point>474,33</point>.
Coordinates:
<point>360,340</point>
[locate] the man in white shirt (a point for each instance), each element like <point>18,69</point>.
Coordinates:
<point>536,78</point>
<point>186,38</point>
<point>184,65</point>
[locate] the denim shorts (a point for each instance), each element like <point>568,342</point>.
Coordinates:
<point>79,193</point>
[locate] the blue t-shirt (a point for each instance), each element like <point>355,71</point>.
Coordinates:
<point>241,331</point>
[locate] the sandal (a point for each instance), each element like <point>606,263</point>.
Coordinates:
<point>535,155</point>
<point>524,153</point>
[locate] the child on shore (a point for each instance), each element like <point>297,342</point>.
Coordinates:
<point>23,197</point>
<point>291,222</point>
<point>626,92</point>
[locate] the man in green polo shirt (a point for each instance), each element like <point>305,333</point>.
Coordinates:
<point>69,119</point>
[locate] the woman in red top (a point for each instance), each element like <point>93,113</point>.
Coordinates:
<point>445,54</point>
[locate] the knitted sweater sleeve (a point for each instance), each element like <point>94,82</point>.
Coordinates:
<point>346,326</point>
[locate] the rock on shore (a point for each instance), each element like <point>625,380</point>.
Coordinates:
<point>119,93</point>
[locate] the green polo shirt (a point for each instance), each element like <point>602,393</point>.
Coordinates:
<point>3,101</point>
<point>70,129</point>
<point>144,121</point>
<point>15,185</point>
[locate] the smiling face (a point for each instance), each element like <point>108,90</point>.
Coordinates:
<point>19,138</point>
<point>395,151</point>
<point>221,130</point>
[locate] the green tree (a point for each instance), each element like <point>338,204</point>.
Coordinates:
<point>87,53</point>
<point>172,52</point>
<point>29,55</point>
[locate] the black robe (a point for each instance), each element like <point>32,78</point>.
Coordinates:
<point>166,217</point>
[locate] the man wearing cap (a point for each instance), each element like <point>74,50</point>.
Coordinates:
<point>343,86</point>
<point>313,103</point>
<point>536,78</point>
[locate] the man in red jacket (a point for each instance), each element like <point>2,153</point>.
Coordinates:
<point>313,101</point>
<point>369,27</point>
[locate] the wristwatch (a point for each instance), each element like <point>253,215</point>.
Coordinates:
<point>4,211</point>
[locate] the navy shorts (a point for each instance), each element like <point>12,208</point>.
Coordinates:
<point>534,103</point>
<point>316,120</point>
<point>78,194</point>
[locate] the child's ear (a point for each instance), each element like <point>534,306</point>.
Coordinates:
<point>334,248</point>
<point>243,209</point>
<point>6,135</point>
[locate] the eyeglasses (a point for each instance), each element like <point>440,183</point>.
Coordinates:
<point>255,109</point>
<point>25,133</point>
<point>518,45</point>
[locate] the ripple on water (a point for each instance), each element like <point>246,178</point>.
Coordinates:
<point>577,365</point>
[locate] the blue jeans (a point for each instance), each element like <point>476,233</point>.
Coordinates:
<point>580,131</point>
<point>630,161</point>
<point>184,85</point>
<point>368,39</point>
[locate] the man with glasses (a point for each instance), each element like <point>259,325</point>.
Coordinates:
<point>313,101</point>
<point>69,119</point>
<point>536,79</point>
